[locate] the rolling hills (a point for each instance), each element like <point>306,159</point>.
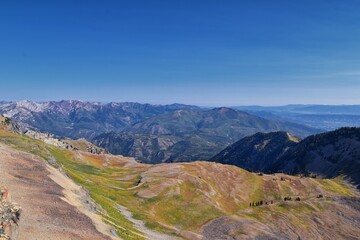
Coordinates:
<point>198,200</point>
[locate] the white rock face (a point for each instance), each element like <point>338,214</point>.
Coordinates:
<point>49,139</point>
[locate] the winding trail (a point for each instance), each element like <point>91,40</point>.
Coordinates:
<point>140,225</point>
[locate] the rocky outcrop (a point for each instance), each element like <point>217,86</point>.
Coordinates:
<point>83,145</point>
<point>9,216</point>
<point>49,139</point>
<point>10,125</point>
<point>79,144</point>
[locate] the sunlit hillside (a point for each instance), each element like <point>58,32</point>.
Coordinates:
<point>201,200</point>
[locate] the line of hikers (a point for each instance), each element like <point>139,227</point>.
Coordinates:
<point>260,203</point>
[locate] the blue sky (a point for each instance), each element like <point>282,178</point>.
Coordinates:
<point>195,52</point>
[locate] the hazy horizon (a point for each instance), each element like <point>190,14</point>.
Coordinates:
<point>170,103</point>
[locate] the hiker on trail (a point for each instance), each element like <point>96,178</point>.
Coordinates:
<point>4,193</point>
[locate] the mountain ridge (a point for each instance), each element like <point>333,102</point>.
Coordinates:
<point>256,152</point>
<point>329,154</point>
<point>77,119</point>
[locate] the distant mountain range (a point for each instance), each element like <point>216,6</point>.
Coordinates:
<point>307,109</point>
<point>149,133</point>
<point>327,155</point>
<point>78,119</point>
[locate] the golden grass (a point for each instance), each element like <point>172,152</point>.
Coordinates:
<point>335,186</point>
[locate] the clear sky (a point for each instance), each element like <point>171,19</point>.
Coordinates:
<point>206,52</point>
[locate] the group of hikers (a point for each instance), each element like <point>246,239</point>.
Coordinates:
<point>261,202</point>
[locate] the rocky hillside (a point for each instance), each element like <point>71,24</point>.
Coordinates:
<point>327,155</point>
<point>198,200</point>
<point>144,148</point>
<point>84,145</point>
<point>9,216</point>
<point>76,145</point>
<point>53,206</point>
<point>49,139</point>
<point>6,122</point>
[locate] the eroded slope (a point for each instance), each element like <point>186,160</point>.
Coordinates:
<point>48,212</point>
